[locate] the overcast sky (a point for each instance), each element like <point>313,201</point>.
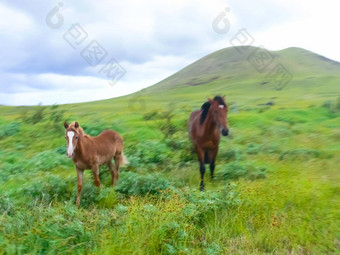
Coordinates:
<point>65,52</point>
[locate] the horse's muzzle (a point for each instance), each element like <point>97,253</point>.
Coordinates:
<point>225,132</point>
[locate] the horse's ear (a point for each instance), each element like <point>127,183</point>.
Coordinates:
<point>65,125</point>
<point>223,98</point>
<point>76,125</point>
<point>209,100</point>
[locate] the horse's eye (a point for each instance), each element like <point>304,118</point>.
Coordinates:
<point>76,137</point>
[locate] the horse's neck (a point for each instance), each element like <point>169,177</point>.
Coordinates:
<point>209,125</point>
<point>81,147</point>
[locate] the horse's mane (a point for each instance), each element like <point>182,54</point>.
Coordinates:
<point>205,107</point>
<point>80,130</point>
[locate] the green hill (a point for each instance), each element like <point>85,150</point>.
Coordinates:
<point>230,67</point>
<point>277,177</point>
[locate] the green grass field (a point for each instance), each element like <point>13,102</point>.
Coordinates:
<point>277,176</point>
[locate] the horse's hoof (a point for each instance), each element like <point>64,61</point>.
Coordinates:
<point>202,188</point>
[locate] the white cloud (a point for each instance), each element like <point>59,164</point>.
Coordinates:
<point>150,39</point>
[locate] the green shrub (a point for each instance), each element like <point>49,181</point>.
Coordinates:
<point>96,126</point>
<point>230,154</point>
<point>42,161</point>
<point>9,169</point>
<point>148,152</point>
<point>46,160</point>
<point>62,229</point>
<point>300,154</point>
<point>61,150</point>
<point>49,188</point>
<point>253,148</point>
<point>57,117</point>
<point>235,170</point>
<point>327,104</point>
<point>9,129</point>
<point>192,208</point>
<point>333,107</point>
<point>6,205</point>
<point>91,195</point>
<point>151,115</point>
<point>232,171</point>
<point>200,205</point>
<point>92,130</point>
<point>181,146</point>
<point>213,249</point>
<point>37,116</point>
<point>134,184</point>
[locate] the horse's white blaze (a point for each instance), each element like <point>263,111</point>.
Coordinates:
<point>221,106</point>
<point>70,149</point>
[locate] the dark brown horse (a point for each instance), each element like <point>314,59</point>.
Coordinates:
<point>205,127</point>
<point>89,152</point>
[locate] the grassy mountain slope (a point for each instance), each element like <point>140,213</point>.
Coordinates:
<point>277,177</point>
<point>230,66</point>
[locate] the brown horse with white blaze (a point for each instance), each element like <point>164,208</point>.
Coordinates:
<point>89,152</point>
<point>205,127</point>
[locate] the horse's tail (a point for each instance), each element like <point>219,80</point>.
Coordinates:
<point>123,160</point>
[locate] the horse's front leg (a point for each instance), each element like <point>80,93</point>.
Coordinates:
<point>200,154</point>
<point>95,171</point>
<point>80,184</point>
<point>202,171</point>
<point>212,155</point>
<point>212,168</point>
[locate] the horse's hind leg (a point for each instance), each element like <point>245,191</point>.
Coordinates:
<point>112,171</point>
<point>95,171</point>
<point>118,160</point>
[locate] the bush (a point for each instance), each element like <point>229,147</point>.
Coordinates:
<point>61,150</point>
<point>42,161</point>
<point>253,148</point>
<point>187,207</point>
<point>199,205</point>
<point>95,127</point>
<point>300,154</point>
<point>230,155</point>
<point>6,205</point>
<point>148,152</point>
<point>46,160</point>
<point>134,184</point>
<point>9,129</point>
<point>50,188</point>
<point>333,107</point>
<point>103,197</point>
<point>232,171</point>
<point>182,147</point>
<point>36,117</point>
<point>235,170</point>
<point>62,229</point>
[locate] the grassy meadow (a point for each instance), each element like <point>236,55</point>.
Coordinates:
<point>276,189</point>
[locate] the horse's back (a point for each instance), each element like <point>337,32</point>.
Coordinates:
<point>110,135</point>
